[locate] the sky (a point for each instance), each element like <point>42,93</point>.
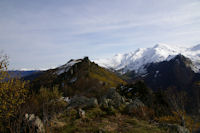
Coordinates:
<point>41,34</point>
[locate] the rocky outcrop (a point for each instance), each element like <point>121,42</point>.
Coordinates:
<point>136,108</point>
<point>135,105</point>
<point>35,123</point>
<point>112,99</point>
<point>82,102</point>
<point>174,128</point>
<point>81,113</point>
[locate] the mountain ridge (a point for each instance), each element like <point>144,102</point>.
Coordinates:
<point>138,59</point>
<point>78,77</point>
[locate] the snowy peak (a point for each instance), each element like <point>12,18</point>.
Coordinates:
<point>160,52</point>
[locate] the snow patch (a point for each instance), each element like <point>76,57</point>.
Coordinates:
<point>66,67</point>
<point>156,74</point>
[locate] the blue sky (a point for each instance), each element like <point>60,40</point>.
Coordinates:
<point>39,34</point>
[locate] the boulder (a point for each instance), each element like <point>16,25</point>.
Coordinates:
<point>82,102</point>
<point>136,107</point>
<point>112,99</point>
<point>174,128</point>
<point>81,113</point>
<point>35,123</point>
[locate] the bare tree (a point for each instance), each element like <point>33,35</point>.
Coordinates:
<point>177,100</point>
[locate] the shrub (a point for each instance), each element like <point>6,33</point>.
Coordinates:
<point>72,114</point>
<point>50,101</point>
<point>143,113</point>
<point>94,113</point>
<point>13,94</point>
<point>176,119</point>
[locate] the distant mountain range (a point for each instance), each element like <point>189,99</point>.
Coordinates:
<point>137,60</point>
<point>22,73</point>
<point>161,66</point>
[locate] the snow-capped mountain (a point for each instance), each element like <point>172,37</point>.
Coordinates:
<point>140,58</point>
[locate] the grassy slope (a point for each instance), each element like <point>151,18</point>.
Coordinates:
<point>109,124</point>
<point>94,80</point>
<point>91,79</point>
<point>106,76</point>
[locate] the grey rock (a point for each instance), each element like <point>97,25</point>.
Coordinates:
<point>112,98</point>
<point>81,113</point>
<point>36,122</point>
<point>82,102</point>
<point>174,128</point>
<point>135,105</point>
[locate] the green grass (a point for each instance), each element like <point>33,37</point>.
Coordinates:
<point>101,74</point>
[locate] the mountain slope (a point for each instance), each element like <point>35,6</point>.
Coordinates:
<point>141,57</point>
<point>174,73</point>
<point>79,77</point>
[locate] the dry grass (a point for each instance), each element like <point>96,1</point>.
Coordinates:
<point>111,124</point>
